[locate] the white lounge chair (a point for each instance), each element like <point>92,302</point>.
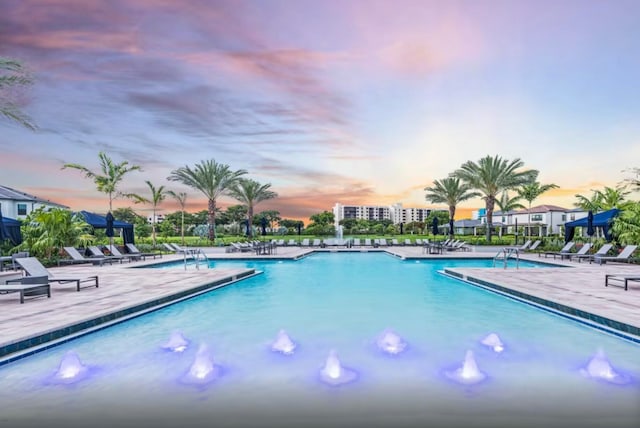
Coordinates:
<point>76,257</point>
<point>134,250</point>
<point>602,251</point>
<point>581,252</point>
<point>564,251</point>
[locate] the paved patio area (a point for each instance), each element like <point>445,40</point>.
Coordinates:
<point>578,285</point>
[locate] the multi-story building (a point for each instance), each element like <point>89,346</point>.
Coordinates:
<point>16,204</point>
<point>396,213</point>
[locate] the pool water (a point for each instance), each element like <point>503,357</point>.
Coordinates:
<point>338,302</point>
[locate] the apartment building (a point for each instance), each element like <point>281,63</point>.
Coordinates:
<point>396,213</point>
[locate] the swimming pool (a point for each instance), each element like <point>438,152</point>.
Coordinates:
<point>338,302</point>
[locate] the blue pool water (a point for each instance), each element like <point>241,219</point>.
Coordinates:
<point>338,302</point>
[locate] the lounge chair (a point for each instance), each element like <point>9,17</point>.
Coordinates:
<point>383,242</point>
<point>356,242</point>
<point>316,243</point>
<point>624,256</point>
<point>291,243</point>
<point>174,248</point>
<point>563,252</point>
<point>32,267</point>
<point>28,286</point>
<point>534,246</point>
<point>408,242</point>
<point>305,242</point>
<point>623,278</point>
<point>395,242</point>
<point>128,256</point>
<point>76,257</point>
<point>418,241</point>
<point>98,253</point>
<point>132,249</point>
<point>367,242</point>
<point>602,251</point>
<point>583,251</point>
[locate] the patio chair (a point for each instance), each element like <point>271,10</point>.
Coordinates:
<point>383,242</point>
<point>395,242</point>
<point>367,242</point>
<point>565,250</point>
<point>32,267</point>
<point>291,243</point>
<point>624,256</point>
<point>621,277</point>
<point>132,249</point>
<point>584,250</point>
<point>407,242</point>
<point>128,256</point>
<point>533,246</point>
<point>602,251</point>
<point>356,242</point>
<point>175,248</point>
<point>76,257</point>
<point>316,243</point>
<point>28,286</point>
<point>305,242</point>
<point>98,253</point>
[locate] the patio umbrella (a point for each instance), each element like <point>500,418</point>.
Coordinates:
<point>3,232</point>
<point>516,233</point>
<point>451,226</point>
<point>590,229</point>
<point>263,224</point>
<point>401,228</point>
<point>299,229</point>
<point>109,230</point>
<point>434,226</point>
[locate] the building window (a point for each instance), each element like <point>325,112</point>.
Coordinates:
<point>536,217</point>
<point>22,209</point>
<point>564,217</point>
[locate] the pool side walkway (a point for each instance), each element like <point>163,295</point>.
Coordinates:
<point>579,287</point>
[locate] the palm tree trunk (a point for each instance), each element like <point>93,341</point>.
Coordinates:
<point>153,228</point>
<point>529,221</point>
<point>452,215</point>
<point>489,205</point>
<point>250,220</point>
<point>212,220</point>
<point>182,228</point>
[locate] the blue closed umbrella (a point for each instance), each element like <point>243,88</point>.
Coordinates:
<point>109,229</point>
<point>3,232</point>
<point>590,229</point>
<point>263,224</point>
<point>434,226</point>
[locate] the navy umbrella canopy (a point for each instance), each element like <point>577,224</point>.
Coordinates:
<point>590,229</point>
<point>263,224</point>
<point>3,232</point>
<point>299,229</point>
<point>109,229</point>
<point>434,226</point>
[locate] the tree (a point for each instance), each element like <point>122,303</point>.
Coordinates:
<point>157,196</point>
<point>635,181</point>
<point>236,213</point>
<point>272,216</point>
<point>491,176</point>
<point>626,226</point>
<point>181,197</point>
<point>530,192</point>
<point>211,178</point>
<point>603,200</point>
<point>449,191</point>
<point>13,75</point>
<point>322,219</point>
<point>506,204</point>
<point>250,193</point>
<point>128,215</point>
<point>45,232</point>
<point>112,175</point>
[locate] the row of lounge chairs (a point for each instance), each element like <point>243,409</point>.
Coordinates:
<point>600,256</point>
<point>98,256</point>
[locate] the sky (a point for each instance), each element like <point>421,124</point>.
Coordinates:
<point>357,102</point>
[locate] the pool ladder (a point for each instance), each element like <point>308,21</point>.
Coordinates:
<point>196,254</point>
<point>505,254</point>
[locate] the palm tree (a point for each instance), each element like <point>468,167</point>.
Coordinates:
<point>16,76</point>
<point>182,200</point>
<point>530,192</point>
<point>451,192</point>
<point>250,193</point>
<point>112,175</point>
<point>157,196</point>
<point>603,200</point>
<point>506,204</point>
<point>589,204</point>
<point>491,176</point>
<point>211,178</point>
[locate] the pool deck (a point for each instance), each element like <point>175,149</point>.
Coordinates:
<point>577,290</point>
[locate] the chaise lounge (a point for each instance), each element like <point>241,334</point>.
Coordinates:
<point>32,267</point>
<point>623,278</point>
<point>563,252</point>
<point>28,286</point>
<point>624,256</point>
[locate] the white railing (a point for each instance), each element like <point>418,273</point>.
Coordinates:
<point>505,254</point>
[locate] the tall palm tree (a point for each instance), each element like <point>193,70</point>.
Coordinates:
<point>602,200</point>
<point>181,197</point>
<point>491,176</point>
<point>13,74</point>
<point>250,193</point>
<point>530,192</point>
<point>594,203</point>
<point>158,195</point>
<point>112,175</point>
<point>211,178</point>
<point>449,191</point>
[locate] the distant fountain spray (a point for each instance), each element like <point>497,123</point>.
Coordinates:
<point>176,342</point>
<point>390,342</point>
<point>339,231</point>
<point>334,374</point>
<point>600,368</point>
<point>468,373</point>
<point>283,344</point>
<point>493,341</point>
<point>202,370</point>
<point>70,369</point>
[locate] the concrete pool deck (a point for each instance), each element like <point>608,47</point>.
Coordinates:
<point>125,292</point>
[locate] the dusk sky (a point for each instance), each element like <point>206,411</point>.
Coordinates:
<point>358,102</point>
